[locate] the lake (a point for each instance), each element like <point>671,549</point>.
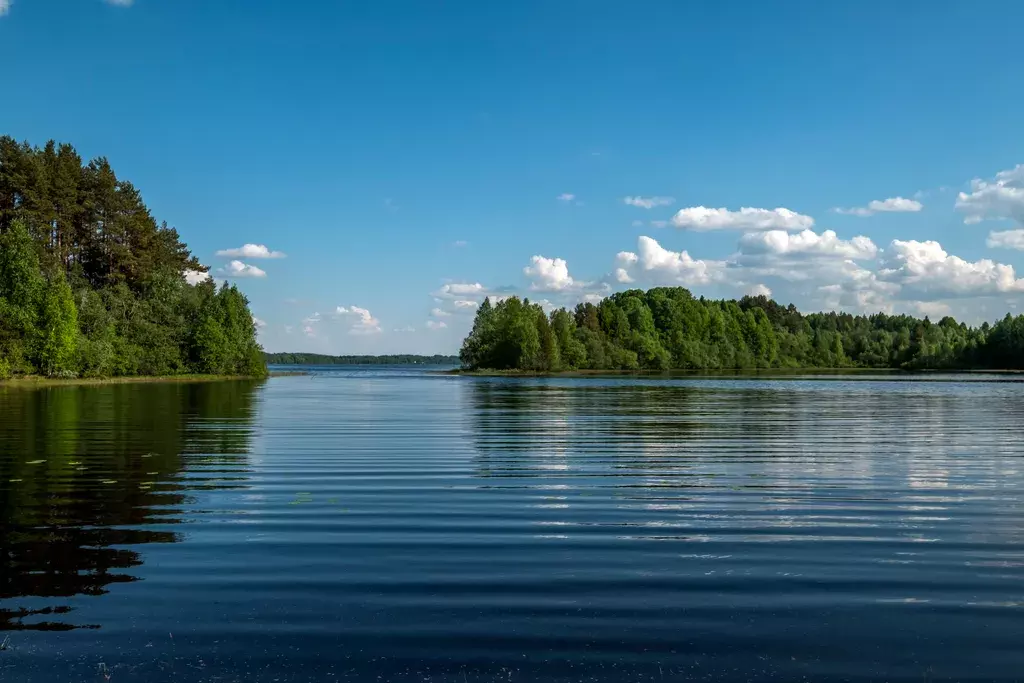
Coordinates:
<point>391,524</point>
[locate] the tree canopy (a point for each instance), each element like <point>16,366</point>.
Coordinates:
<point>668,328</point>
<point>91,285</point>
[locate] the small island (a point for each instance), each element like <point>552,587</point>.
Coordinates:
<point>667,328</point>
<point>91,286</point>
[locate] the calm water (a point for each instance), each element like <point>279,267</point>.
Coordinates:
<point>368,524</point>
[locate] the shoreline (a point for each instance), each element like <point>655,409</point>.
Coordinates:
<point>780,373</point>
<point>34,381</point>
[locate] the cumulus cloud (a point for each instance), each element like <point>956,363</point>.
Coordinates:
<point>654,263</point>
<point>565,197</point>
<point>194,277</point>
<point>1001,197</point>
<point>239,269</point>
<point>807,242</point>
<point>460,290</point>
<point>649,202</point>
<point>759,290</point>
<point>362,321</point>
<point>925,268</point>
<point>1006,239</point>
<point>250,251</point>
<point>436,324</point>
<point>260,324</point>
<point>933,309</point>
<point>439,313</point>
<point>890,205</point>
<point>548,274</point>
<point>464,304</point>
<point>700,218</point>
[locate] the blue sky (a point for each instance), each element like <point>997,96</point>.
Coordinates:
<point>409,156</point>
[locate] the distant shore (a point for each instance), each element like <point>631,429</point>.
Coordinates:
<point>28,381</point>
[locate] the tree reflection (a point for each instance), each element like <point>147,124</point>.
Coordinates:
<point>84,471</point>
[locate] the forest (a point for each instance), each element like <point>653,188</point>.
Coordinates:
<point>92,286</point>
<point>668,328</point>
<point>321,359</point>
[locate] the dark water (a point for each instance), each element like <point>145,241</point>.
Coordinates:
<point>367,524</point>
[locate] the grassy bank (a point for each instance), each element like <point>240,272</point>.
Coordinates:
<point>29,381</point>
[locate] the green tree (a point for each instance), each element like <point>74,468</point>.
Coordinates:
<point>59,329</point>
<point>71,226</point>
<point>21,289</point>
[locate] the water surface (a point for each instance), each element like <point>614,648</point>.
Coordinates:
<point>390,524</point>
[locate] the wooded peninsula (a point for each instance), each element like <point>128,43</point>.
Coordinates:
<point>668,328</point>
<point>92,286</point>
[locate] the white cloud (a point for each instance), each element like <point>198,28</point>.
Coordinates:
<point>463,290</point>
<point>637,224</point>
<point>250,251</point>
<point>194,277</point>
<point>288,329</point>
<point>890,205</point>
<point>566,197</point>
<point>405,329</point>
<point>260,324</point>
<point>465,304</point>
<point>659,265</point>
<point>1001,197</point>
<point>925,268</point>
<point>700,218</point>
<point>436,324</point>
<point>362,321</point>
<point>649,202</point>
<point>439,313</point>
<point>759,290</point>
<point>5,7</point>
<point>807,242</point>
<point>593,298</point>
<point>932,309</point>
<point>460,243</point>
<point>120,3</point>
<point>867,296</point>
<point>239,269</point>
<point>548,275</point>
<point>1006,239</point>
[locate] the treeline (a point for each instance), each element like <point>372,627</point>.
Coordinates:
<point>667,328</point>
<point>91,285</point>
<point>320,359</point>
